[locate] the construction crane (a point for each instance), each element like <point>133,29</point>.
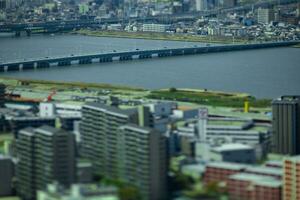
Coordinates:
<point>49,98</point>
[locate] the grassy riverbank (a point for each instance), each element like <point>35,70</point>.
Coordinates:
<point>159,36</point>
<point>63,84</point>
<point>211,98</point>
<point>194,96</point>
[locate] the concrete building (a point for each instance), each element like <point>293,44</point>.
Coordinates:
<point>236,153</point>
<point>120,149</point>
<point>286,126</point>
<point>18,123</point>
<point>143,160</point>
<point>161,28</point>
<point>44,155</point>
<point>6,176</point>
<point>99,132</point>
<point>265,15</point>
<point>230,130</point>
<point>220,171</point>
<point>253,187</point>
<point>78,192</point>
<point>291,178</point>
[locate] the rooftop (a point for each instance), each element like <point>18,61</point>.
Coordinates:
<point>227,165</point>
<point>293,158</point>
<point>29,131</point>
<point>110,109</point>
<point>261,180</point>
<point>265,170</point>
<point>232,147</point>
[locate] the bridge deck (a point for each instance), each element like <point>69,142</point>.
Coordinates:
<point>129,55</point>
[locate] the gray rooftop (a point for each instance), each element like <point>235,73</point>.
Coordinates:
<point>261,180</point>
<point>110,109</point>
<point>227,165</point>
<point>49,130</point>
<point>29,131</point>
<point>265,170</point>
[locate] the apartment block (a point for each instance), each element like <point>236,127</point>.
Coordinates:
<point>144,162</point>
<point>253,187</point>
<point>99,131</point>
<point>120,149</point>
<point>216,172</point>
<point>291,180</point>
<point>44,155</point>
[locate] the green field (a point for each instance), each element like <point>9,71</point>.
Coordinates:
<point>209,98</point>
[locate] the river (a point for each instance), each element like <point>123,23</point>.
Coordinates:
<point>264,73</point>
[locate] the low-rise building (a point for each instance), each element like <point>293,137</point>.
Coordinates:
<point>155,28</point>
<point>233,152</point>
<point>253,187</point>
<point>217,172</point>
<point>291,178</point>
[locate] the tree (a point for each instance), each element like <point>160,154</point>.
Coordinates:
<point>173,89</point>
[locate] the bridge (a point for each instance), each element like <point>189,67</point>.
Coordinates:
<point>131,55</point>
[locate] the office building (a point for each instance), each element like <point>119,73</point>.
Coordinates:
<point>286,125</point>
<point>229,130</point>
<point>6,175</point>
<point>291,178</point>
<point>99,132</point>
<point>44,155</point>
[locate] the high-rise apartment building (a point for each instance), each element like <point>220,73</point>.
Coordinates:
<point>44,155</point>
<point>291,178</point>
<point>286,125</point>
<point>99,134</point>
<point>143,160</point>
<point>120,149</point>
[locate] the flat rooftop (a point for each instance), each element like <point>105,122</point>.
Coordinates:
<point>260,180</point>
<point>232,147</point>
<point>227,165</point>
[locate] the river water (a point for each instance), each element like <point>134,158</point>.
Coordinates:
<point>264,73</point>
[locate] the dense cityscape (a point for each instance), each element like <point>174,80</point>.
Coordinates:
<point>79,139</point>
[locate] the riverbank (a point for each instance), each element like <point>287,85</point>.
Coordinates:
<point>37,89</point>
<point>160,36</point>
